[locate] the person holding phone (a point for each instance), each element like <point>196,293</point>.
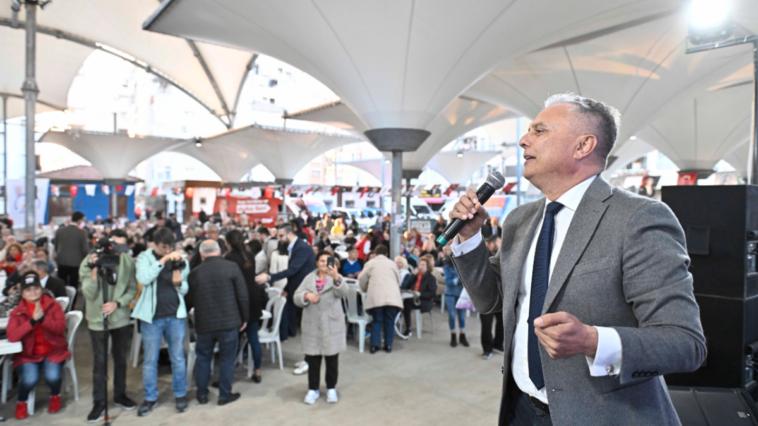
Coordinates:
<point>323,325</point>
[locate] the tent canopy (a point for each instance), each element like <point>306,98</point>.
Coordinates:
<point>282,152</point>
<point>114,156</point>
<point>397,64</point>
<point>231,160</point>
<point>460,169</point>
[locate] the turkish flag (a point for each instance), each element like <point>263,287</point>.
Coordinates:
<point>269,192</point>
<point>335,190</point>
<point>226,191</point>
<point>289,190</point>
<point>687,179</point>
<point>119,188</point>
<point>364,190</point>
<point>509,187</point>
<point>106,190</point>
<point>155,192</point>
<point>73,189</point>
<point>189,192</point>
<point>450,189</point>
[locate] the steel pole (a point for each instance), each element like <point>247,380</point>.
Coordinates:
<point>30,91</point>
<point>5,154</point>
<point>395,208</point>
<point>753,168</point>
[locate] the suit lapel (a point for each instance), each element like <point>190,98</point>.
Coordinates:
<point>513,265</point>
<point>580,232</point>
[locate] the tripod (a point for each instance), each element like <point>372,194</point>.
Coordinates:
<point>103,283</point>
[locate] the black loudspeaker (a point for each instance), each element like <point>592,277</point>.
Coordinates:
<point>721,228</point>
<point>713,407</point>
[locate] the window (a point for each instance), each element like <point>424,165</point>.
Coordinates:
<point>370,204</point>
<point>349,204</point>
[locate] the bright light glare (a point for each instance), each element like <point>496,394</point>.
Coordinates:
<point>709,13</point>
<point>633,138</point>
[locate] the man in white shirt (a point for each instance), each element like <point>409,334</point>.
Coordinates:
<point>593,318</point>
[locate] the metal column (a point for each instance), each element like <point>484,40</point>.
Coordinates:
<point>397,186</point>
<point>408,208</point>
<point>753,168</point>
<point>30,91</point>
<point>5,154</point>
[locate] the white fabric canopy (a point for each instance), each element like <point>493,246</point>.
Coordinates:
<point>641,70</point>
<point>631,151</point>
<point>460,117</point>
<point>117,24</point>
<point>230,159</point>
<point>114,156</point>
<point>459,170</point>
<point>396,63</point>
<point>58,62</point>
<point>282,152</point>
<point>698,132</point>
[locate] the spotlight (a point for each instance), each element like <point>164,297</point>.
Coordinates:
<point>198,142</point>
<point>460,154</point>
<point>386,161</point>
<point>710,21</point>
<point>632,138</point>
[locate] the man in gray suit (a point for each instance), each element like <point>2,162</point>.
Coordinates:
<point>592,280</point>
<point>71,247</point>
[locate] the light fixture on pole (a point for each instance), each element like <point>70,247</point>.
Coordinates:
<point>710,21</point>
<point>632,138</point>
<point>460,154</point>
<point>199,142</point>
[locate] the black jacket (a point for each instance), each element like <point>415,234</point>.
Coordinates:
<point>218,292</point>
<point>57,286</point>
<point>253,289</point>
<point>428,290</point>
<point>301,262</point>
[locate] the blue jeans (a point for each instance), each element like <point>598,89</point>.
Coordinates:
<point>450,302</point>
<point>383,316</point>
<point>252,337</point>
<point>28,375</point>
<point>173,329</point>
<point>228,340</point>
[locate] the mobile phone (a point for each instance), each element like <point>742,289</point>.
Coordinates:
<point>330,261</point>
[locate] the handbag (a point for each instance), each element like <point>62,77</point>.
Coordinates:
<point>464,302</point>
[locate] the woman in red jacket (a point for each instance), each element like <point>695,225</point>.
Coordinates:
<point>12,259</point>
<point>39,324</point>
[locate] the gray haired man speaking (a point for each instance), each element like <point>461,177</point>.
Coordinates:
<point>592,281</point>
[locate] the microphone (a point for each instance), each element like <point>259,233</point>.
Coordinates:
<point>494,182</point>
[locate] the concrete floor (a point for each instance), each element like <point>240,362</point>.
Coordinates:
<point>422,382</point>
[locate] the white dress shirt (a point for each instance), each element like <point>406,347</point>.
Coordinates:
<point>43,281</point>
<point>607,361</point>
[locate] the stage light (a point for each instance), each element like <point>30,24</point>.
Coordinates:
<point>198,142</point>
<point>710,21</point>
<point>632,138</point>
<point>460,154</point>
<point>386,161</point>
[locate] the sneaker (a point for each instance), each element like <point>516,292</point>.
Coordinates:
<point>463,340</point>
<point>498,350</point>
<point>301,370</point>
<point>299,364</point>
<point>311,397</point>
<point>97,413</point>
<point>487,356</point>
<point>146,408</point>
<point>125,402</point>
<point>331,396</point>
<point>55,404</point>
<point>21,411</point>
<point>181,404</point>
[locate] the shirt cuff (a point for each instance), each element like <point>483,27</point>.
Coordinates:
<point>607,361</point>
<point>459,249</point>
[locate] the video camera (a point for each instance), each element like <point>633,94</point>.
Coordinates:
<point>107,260</point>
<point>177,265</point>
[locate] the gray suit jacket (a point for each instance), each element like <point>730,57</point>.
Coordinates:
<point>624,265</point>
<point>71,245</point>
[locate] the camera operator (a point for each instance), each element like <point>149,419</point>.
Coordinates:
<point>117,310</point>
<point>162,313</point>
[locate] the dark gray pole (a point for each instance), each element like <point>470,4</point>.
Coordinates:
<point>753,169</point>
<point>5,154</point>
<point>30,91</point>
<point>396,204</point>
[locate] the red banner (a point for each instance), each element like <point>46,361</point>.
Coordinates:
<point>289,190</point>
<point>73,189</point>
<point>335,190</point>
<point>364,190</point>
<point>155,192</point>
<point>268,192</point>
<point>687,179</point>
<point>262,210</point>
<point>450,189</point>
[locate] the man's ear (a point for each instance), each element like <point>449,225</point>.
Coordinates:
<point>587,144</point>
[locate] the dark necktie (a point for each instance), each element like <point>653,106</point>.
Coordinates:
<point>540,280</point>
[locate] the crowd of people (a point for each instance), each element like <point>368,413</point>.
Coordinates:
<point>213,273</point>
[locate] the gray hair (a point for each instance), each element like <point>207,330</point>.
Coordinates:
<point>209,247</point>
<point>40,264</point>
<point>607,119</point>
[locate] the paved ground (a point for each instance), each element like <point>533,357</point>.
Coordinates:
<point>423,382</point>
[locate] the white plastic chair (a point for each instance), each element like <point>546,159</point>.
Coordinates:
<point>266,335</point>
<point>71,292</point>
<point>63,301</point>
<point>420,323</point>
<point>273,292</point>
<point>360,321</point>
<point>73,320</point>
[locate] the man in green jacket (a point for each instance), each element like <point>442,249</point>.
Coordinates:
<point>117,310</point>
